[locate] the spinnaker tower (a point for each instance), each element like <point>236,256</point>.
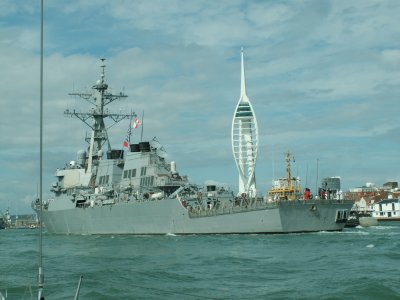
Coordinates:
<point>245,139</point>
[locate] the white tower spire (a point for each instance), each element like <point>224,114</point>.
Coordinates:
<point>242,78</point>
<point>245,139</point>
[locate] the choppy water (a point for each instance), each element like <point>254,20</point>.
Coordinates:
<point>359,263</point>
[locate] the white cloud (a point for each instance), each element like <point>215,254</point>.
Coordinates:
<point>391,57</point>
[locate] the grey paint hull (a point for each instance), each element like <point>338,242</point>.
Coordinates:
<point>169,216</point>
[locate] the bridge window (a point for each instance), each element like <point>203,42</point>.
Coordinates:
<point>143,171</point>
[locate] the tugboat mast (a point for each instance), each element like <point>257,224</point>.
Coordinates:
<point>100,99</point>
<point>288,171</point>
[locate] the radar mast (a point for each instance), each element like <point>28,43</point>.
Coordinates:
<point>100,98</point>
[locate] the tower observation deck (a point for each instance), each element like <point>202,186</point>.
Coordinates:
<point>245,139</point>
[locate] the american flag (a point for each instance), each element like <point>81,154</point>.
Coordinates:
<point>128,137</point>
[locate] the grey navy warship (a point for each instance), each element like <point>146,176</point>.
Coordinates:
<point>136,191</point>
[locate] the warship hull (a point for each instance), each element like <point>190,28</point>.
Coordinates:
<point>170,217</point>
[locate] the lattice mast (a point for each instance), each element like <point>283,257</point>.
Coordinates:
<point>245,139</point>
<point>99,99</point>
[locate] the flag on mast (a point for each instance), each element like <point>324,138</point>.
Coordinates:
<point>136,123</point>
<point>126,142</point>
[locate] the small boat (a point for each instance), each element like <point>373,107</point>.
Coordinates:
<point>361,218</point>
<point>352,220</point>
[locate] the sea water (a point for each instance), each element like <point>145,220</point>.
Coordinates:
<point>357,263</point>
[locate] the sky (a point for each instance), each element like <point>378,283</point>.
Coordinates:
<point>323,78</point>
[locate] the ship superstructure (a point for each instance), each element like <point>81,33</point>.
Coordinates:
<point>245,139</point>
<point>95,120</point>
<point>285,188</point>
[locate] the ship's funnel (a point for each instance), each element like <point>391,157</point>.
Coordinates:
<point>144,146</point>
<point>134,147</point>
<point>115,154</point>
